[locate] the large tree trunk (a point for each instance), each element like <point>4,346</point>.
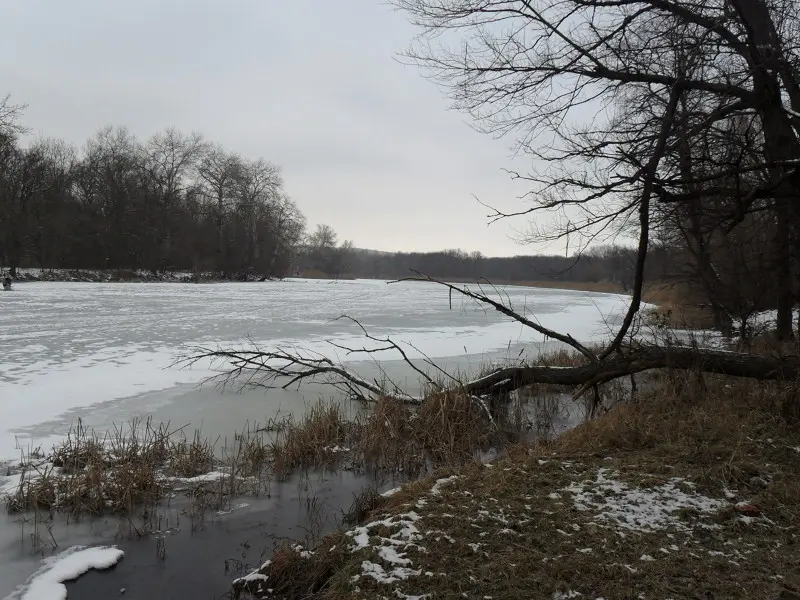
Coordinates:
<point>637,360</point>
<point>767,62</point>
<point>783,274</point>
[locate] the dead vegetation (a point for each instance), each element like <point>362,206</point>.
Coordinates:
<point>677,305</point>
<point>142,463</point>
<point>447,428</point>
<point>131,466</point>
<point>688,491</point>
<point>318,439</point>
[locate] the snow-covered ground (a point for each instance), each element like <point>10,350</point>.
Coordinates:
<point>68,346</point>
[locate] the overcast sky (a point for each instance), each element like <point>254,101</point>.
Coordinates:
<point>366,143</point>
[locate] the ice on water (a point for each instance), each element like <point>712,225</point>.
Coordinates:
<point>71,345</point>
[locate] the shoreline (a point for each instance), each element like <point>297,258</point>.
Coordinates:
<point>140,276</point>
<point>673,496</point>
<point>231,530</point>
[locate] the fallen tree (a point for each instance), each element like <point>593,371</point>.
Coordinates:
<point>284,369</point>
<point>255,367</point>
<point>635,360</point>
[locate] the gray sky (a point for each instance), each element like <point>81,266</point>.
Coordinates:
<point>366,143</point>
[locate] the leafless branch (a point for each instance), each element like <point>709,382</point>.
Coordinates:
<point>508,311</point>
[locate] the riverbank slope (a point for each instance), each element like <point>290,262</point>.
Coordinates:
<point>688,492</point>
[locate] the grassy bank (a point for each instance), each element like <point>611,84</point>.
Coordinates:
<point>688,492</point>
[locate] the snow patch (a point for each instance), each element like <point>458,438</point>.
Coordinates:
<point>233,508</point>
<point>254,576</point>
<point>639,509</point>
<point>390,555</point>
<point>379,574</point>
<point>336,449</point>
<point>48,582</point>
<point>209,477</point>
<point>407,531</point>
<point>436,490</point>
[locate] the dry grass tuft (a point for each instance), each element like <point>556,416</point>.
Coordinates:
<point>678,306</point>
<point>294,572</point>
<point>451,427</point>
<point>365,503</point>
<point>251,453</point>
<point>387,439</point>
<point>131,466</point>
<point>88,474</point>
<point>190,458</point>
<point>446,429</point>
<point>389,436</point>
<point>319,439</point>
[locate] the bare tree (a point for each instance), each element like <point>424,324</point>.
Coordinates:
<point>169,161</point>
<point>590,90</point>
<point>23,178</point>
<point>287,227</point>
<point>10,115</point>
<point>258,183</point>
<point>322,251</point>
<point>49,233</point>
<point>219,171</point>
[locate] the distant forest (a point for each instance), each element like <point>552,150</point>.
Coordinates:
<point>174,201</point>
<point>602,264</point>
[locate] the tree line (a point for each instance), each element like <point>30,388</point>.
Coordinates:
<point>179,202</point>
<point>172,202</point>
<point>613,264</point>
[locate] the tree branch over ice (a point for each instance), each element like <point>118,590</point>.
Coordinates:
<point>281,369</point>
<point>509,312</point>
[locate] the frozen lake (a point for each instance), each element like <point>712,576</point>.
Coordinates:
<point>103,353</point>
<point>65,347</point>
